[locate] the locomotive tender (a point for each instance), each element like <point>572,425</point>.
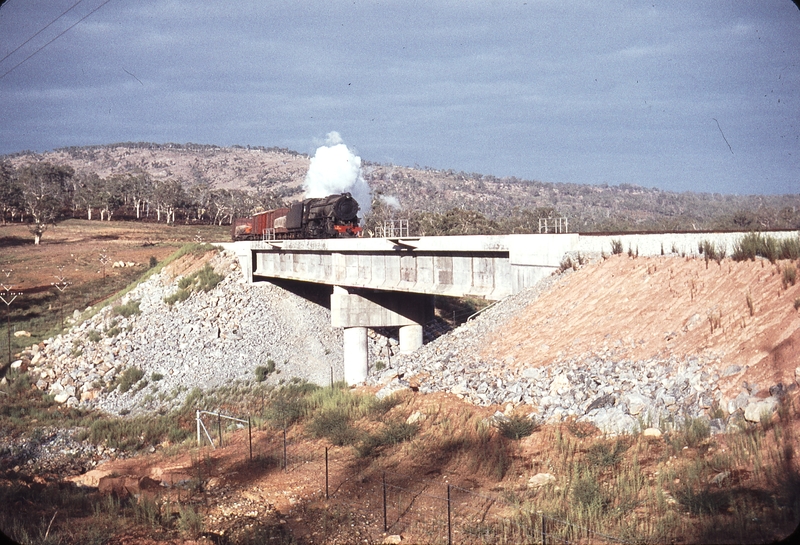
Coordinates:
<point>328,217</point>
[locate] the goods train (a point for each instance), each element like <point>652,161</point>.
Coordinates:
<point>328,217</point>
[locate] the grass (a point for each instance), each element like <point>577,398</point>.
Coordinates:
<point>711,251</point>
<point>516,426</point>
<point>789,276</point>
<point>203,280</point>
<point>263,371</point>
<point>128,309</point>
<point>754,245</point>
<point>129,377</point>
<point>634,488</point>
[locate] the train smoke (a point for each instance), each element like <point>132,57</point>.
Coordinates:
<point>391,201</point>
<point>336,169</point>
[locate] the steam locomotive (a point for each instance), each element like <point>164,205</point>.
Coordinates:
<point>328,217</point>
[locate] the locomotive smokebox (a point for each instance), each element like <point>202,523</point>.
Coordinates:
<point>345,208</point>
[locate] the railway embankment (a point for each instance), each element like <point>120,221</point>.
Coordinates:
<point>624,343</point>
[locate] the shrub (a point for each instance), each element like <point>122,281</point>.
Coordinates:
<point>755,244</point>
<point>153,261</point>
<point>130,376</point>
<point>703,501</point>
<point>263,371</point>
<point>789,275</point>
<point>288,405</point>
<point>516,426</point>
<point>177,297</point>
<point>393,433</point>
<point>94,335</point>
<point>790,248</point>
<point>334,425</point>
<point>616,246</point>
<point>606,453</point>
<point>587,493</point>
<point>190,522</point>
<point>692,434</point>
<point>155,377</point>
<point>128,309</point>
<point>711,251</point>
<point>203,280</point>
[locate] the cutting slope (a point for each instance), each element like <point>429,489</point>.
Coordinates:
<point>653,307</point>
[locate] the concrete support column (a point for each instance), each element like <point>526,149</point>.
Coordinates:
<point>355,355</point>
<point>410,338</point>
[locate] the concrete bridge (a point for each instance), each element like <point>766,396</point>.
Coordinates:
<point>390,282</point>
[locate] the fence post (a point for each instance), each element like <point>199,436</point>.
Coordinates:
<point>449,524</point>
<point>219,428</point>
<point>197,417</point>
<point>326,473</point>
<point>544,534</point>
<point>250,436</point>
<point>385,525</point>
<point>285,464</point>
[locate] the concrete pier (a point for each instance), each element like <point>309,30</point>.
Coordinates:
<point>356,358</point>
<point>357,309</point>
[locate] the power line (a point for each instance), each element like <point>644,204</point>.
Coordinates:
<point>42,30</point>
<point>54,39</point>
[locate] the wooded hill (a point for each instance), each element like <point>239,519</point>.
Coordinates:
<point>206,183</point>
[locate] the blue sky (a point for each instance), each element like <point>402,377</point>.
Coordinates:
<point>700,96</point>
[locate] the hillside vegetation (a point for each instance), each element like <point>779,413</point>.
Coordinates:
<point>213,184</point>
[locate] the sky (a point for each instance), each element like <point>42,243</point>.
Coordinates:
<point>682,96</point>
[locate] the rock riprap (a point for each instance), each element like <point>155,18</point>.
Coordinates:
<point>209,340</point>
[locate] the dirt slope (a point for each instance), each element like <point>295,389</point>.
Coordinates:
<point>648,307</point>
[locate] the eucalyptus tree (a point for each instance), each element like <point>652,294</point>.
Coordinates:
<point>45,192</point>
<point>10,192</point>
<point>168,195</point>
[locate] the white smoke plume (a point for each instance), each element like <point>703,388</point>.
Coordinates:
<point>336,169</point>
<point>391,201</point>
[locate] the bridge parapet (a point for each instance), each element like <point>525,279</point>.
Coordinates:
<point>492,267</point>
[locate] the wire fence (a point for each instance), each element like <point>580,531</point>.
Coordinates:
<point>432,510</point>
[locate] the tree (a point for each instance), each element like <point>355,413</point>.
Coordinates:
<point>45,191</point>
<point>168,196</point>
<point>10,192</point>
<point>87,192</point>
<point>134,190</point>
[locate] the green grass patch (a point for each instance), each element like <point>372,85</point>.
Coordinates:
<point>205,279</point>
<point>128,309</point>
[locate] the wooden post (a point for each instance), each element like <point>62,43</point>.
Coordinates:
<point>250,436</point>
<point>449,524</point>
<point>285,465</point>
<point>197,417</point>
<point>385,525</point>
<point>219,428</point>
<point>326,473</point>
<point>544,534</point>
